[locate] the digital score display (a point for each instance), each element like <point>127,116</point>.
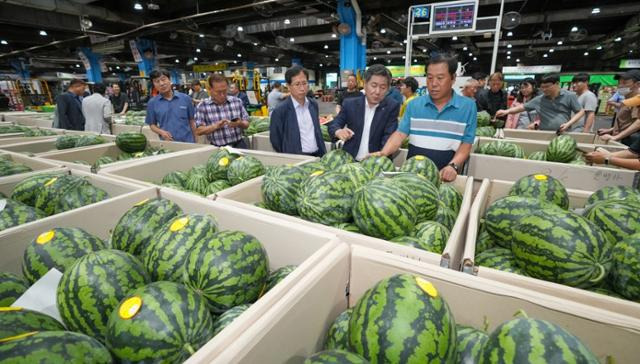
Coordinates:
<point>422,13</point>
<point>451,17</point>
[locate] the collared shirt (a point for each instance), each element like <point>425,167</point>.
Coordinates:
<point>554,112</point>
<point>589,103</point>
<point>119,101</point>
<point>97,113</point>
<point>172,115</point>
<point>200,95</point>
<point>369,112</point>
<point>625,117</point>
<point>208,113</point>
<point>305,124</point>
<point>404,105</point>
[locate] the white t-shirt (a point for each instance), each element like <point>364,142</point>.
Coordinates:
<point>369,112</point>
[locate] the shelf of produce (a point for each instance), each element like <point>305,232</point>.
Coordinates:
<point>249,193</point>
<point>583,138</point>
<point>37,165</point>
<point>297,327</point>
<point>489,192</point>
<point>285,244</point>
<point>41,146</point>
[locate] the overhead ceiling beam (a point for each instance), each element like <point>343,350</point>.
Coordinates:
<point>16,15</point>
<point>581,14</point>
<point>73,8</point>
<point>274,25</point>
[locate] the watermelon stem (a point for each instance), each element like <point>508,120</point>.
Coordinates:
<point>189,348</point>
<point>520,312</point>
<point>600,276</point>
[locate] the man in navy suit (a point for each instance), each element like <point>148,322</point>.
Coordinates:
<point>365,123</point>
<point>69,106</point>
<point>295,122</point>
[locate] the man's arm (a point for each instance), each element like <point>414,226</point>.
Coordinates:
<point>591,117</point>
<point>624,158</point>
<point>63,107</point>
<point>577,116</point>
<point>165,135</point>
<point>150,119</point>
<point>337,127</point>
<point>276,129</point>
<point>124,108</point>
<point>509,111</point>
<point>243,123</point>
<point>631,129</point>
<point>393,144</point>
<point>192,124</point>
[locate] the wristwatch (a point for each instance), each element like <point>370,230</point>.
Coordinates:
<point>606,161</point>
<point>454,166</point>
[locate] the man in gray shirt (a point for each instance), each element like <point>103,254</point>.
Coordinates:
<point>198,94</point>
<point>554,106</point>
<point>588,100</point>
<point>275,97</point>
<point>97,111</point>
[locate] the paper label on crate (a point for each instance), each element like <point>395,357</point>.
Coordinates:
<point>540,177</point>
<point>45,237</point>
<point>41,296</point>
<point>141,202</point>
<point>427,287</point>
<point>51,181</point>
<point>179,224</point>
<point>129,308</point>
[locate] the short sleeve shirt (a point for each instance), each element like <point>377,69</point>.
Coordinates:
<point>274,99</point>
<point>208,113</point>
<point>625,117</point>
<point>172,115</point>
<point>118,102</point>
<point>589,102</point>
<point>554,112</point>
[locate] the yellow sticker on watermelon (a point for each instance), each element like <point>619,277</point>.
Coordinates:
<point>179,224</point>
<point>427,287</point>
<point>540,177</point>
<point>6,309</point>
<point>420,157</point>
<point>51,181</point>
<point>224,161</point>
<point>26,334</point>
<point>45,237</point>
<point>316,173</point>
<point>142,202</point>
<point>130,307</point>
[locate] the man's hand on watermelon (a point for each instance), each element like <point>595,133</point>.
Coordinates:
<point>344,134</point>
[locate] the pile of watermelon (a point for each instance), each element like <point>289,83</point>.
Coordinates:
<point>75,141</point>
<point>46,194</point>
<point>257,124</point>
<point>533,232</point>
<point>37,132</point>
<point>132,146</point>
<point>561,149</point>
<point>8,167</point>
<point>162,286</point>
<point>501,148</point>
<point>11,129</point>
<point>222,170</point>
<point>404,319</point>
<point>410,208</point>
<point>485,131</point>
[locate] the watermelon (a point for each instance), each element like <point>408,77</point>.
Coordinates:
<point>610,193</point>
<point>13,213</point>
<point>484,241</point>
<point>326,198</point>
<point>17,321</point>
<point>561,149</point>
<point>483,118</point>
<point>537,156</point>
<point>422,191</point>
<point>278,275</point>
<point>90,139</point>
<point>334,357</point>
<point>625,275</point>
<point>103,160</point>
<point>217,186</point>
<point>198,183</point>
<point>325,133</point>
<point>160,322</point>
<point>348,226</point>
<point>357,173</point>
<point>336,158</point>
<point>542,187</point>
<point>229,268</point>
<point>578,162</point>
<point>131,142</point>
<point>52,347</point>
<point>84,163</point>
<point>411,241</point>
<point>561,247</point>
<point>124,156</point>
<point>176,177</point>
<point>11,288</point>
<point>338,334</point>
<point>228,317</point>
<point>137,226</point>
<point>500,259</point>
<point>432,235</point>
<point>280,187</point>
<point>423,166</point>
<point>14,168</point>
<point>80,196</point>
<point>605,291</point>
<point>57,248</point>
<point>446,216</point>
<point>469,344</point>
<point>27,190</point>
<point>218,164</point>
<point>310,167</point>
<point>382,210</point>
<point>485,131</point>
<point>618,219</point>
<point>54,189</point>
<point>501,148</point>
<point>403,319</point>
<point>378,164</point>
<point>93,286</point>
<point>260,205</point>
<point>167,251</point>
<point>450,197</point>
<point>198,169</point>
<point>66,141</point>
<point>538,341</point>
<point>243,169</point>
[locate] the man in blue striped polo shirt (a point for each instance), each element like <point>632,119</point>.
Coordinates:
<point>440,125</point>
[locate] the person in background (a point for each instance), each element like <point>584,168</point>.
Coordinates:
<point>408,88</point>
<point>295,123</point>
<point>470,89</point>
<point>275,97</point>
<point>198,95</point>
<point>481,78</point>
<point>235,92</point>
<point>394,94</point>
<point>554,106</point>
<point>4,102</point>
<point>351,91</point>
<point>119,100</point>
<point>522,120</point>
<point>97,111</point>
<point>494,98</point>
<point>69,106</point>
<point>440,125</point>
<point>588,100</point>
<point>629,158</point>
<point>170,114</point>
<point>627,124</point>
<point>222,118</point>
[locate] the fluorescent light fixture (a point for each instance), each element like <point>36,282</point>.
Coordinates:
<point>292,40</point>
<point>277,60</point>
<point>287,21</point>
<point>508,52</point>
<point>3,42</point>
<point>509,46</point>
<point>388,52</point>
<point>43,33</point>
<point>383,31</point>
<point>464,48</point>
<point>239,55</point>
<point>326,56</point>
<point>560,42</point>
<point>415,61</point>
<point>320,64</point>
<point>334,35</point>
<point>508,57</point>
<point>77,65</point>
<point>470,54</point>
<point>454,38</point>
<point>117,67</point>
<point>404,57</point>
<point>475,58</point>
<point>255,44</point>
<point>201,35</point>
<point>137,6</point>
<point>545,55</point>
<point>517,59</point>
<point>177,61</point>
<point>551,50</point>
<point>197,50</point>
<point>586,53</point>
<point>574,29</point>
<point>595,11</point>
<point>326,46</point>
<point>424,50</point>
<point>235,62</point>
<point>510,34</point>
<point>195,58</point>
<point>375,58</point>
<point>240,28</point>
<point>599,47</point>
<point>618,39</point>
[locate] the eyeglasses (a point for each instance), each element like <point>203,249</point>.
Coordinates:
<point>300,84</point>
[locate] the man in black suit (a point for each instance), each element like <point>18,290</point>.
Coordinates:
<point>69,106</point>
<point>366,122</point>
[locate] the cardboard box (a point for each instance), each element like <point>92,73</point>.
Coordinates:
<point>296,327</point>
<point>583,138</point>
<point>285,243</point>
<point>37,165</point>
<point>249,193</point>
<point>490,191</point>
<point>44,145</point>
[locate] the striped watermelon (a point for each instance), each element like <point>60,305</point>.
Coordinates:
<point>403,319</point>
<point>611,193</point>
<point>280,187</point>
<point>198,183</point>
<point>27,190</point>
<point>538,341</point>
<point>625,275</point>
<point>137,226</point>
<point>334,357</point>
<point>326,198</point>
<point>17,321</point>
<point>103,161</point>
<point>500,259</point>
<point>66,141</point>
<point>11,288</point>
<point>16,213</point>
<point>227,318</point>
<point>54,189</point>
<point>377,165</point>
<point>310,167</point>
<point>131,142</point>
<point>469,344</point>
<point>278,275</point>
<point>561,149</point>
<point>446,216</point>
<point>382,210</point>
<point>450,197</point>
<point>357,173</point>
<point>411,241</point>
<point>578,162</point>
<point>422,191</point>
<point>218,164</point>
<point>57,248</point>
<point>338,334</point>
<point>618,219</point>
<point>348,226</point>
<point>90,139</point>
<point>484,241</point>
<point>424,166</point>
<point>537,156</point>
<point>160,322</point>
<point>14,168</point>
<point>229,268</point>
<point>168,250</point>
<point>605,291</point>
<point>198,169</point>
<point>93,286</point>
<point>80,196</point>
<point>336,158</point>
<point>433,236</point>
<point>176,177</point>
<point>561,247</point>
<point>54,347</point>
<point>243,169</point>
<point>501,148</point>
<point>542,187</point>
<point>485,131</point>
<point>217,186</point>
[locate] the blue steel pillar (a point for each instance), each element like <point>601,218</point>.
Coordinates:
<point>175,76</point>
<point>250,66</point>
<point>147,49</point>
<point>352,52</point>
<point>94,73</point>
<point>21,68</point>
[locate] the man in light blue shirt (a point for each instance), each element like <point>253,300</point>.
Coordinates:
<point>441,125</point>
<point>170,114</point>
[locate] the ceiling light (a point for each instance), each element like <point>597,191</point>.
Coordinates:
<point>464,48</point>
<point>77,65</point>
<point>586,53</point>
<point>177,61</point>
<point>375,58</point>
<point>508,57</point>
<point>383,31</point>
<point>326,46</point>
<point>599,47</point>
<point>277,60</point>
<point>287,21</point>
<point>292,40</point>
<point>595,11</point>
<point>551,50</point>
<point>198,50</point>
<point>470,54</point>
<point>631,51</point>
<point>404,57</point>
<point>137,6</point>
<point>559,42</point>
<point>574,29</point>
<point>454,38</point>
<point>201,35</point>
<point>43,33</point>
<point>195,58</point>
<point>320,64</point>
<point>255,44</point>
<point>334,35</point>
<point>424,50</point>
<point>239,55</point>
<point>509,46</point>
<point>117,67</point>
<point>517,59</point>
<point>389,61</point>
<point>326,56</point>
<point>3,42</point>
<point>388,52</point>
<point>475,58</point>
<point>415,61</point>
<point>508,52</point>
<point>235,62</point>
<point>510,34</point>
<point>617,39</point>
<point>240,28</point>
<point>545,55</point>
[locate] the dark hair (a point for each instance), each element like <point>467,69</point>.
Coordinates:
<point>449,60</point>
<point>217,78</point>
<point>497,74</point>
<point>294,71</point>
<point>99,88</point>
<point>533,84</point>
<point>479,76</point>
<point>116,84</point>
<point>580,77</point>
<point>411,83</point>
<point>352,75</point>
<point>76,81</point>
<point>633,75</point>
<point>276,84</point>
<point>377,70</point>
<point>550,78</point>
<point>157,73</point>
<point>195,82</point>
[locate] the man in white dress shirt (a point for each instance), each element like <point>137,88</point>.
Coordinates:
<point>97,111</point>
